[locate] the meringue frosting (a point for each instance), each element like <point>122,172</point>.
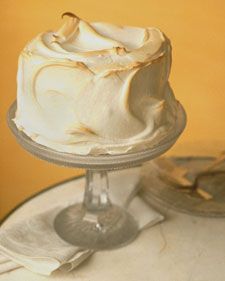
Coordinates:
<point>95,88</point>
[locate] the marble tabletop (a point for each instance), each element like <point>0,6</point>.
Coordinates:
<point>182,248</point>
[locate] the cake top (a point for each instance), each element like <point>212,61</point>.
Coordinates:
<point>101,48</point>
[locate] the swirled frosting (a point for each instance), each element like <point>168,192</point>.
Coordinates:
<point>93,88</point>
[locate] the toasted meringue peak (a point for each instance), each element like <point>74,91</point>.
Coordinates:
<point>90,88</point>
<point>69,14</point>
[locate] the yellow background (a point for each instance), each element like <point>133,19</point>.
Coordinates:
<point>197,32</point>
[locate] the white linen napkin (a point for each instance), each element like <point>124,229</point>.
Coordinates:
<point>34,244</point>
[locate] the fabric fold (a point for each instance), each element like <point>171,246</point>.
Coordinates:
<point>35,245</point>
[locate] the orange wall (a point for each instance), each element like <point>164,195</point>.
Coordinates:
<point>196,29</point>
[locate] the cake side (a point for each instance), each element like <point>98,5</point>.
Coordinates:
<point>95,88</point>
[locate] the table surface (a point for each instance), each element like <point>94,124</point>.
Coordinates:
<point>182,248</point>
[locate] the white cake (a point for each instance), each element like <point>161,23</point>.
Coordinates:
<point>92,88</point>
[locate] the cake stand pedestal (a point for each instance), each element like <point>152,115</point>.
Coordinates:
<point>97,223</point>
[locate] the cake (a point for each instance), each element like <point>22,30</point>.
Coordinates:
<point>95,88</point>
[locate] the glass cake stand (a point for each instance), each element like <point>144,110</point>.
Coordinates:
<point>97,223</point>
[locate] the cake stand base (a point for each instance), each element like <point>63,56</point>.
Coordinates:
<point>100,229</point>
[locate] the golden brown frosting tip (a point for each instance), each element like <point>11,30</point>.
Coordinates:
<point>69,14</point>
<point>121,51</point>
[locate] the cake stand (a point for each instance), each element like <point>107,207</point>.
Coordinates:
<point>97,223</point>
